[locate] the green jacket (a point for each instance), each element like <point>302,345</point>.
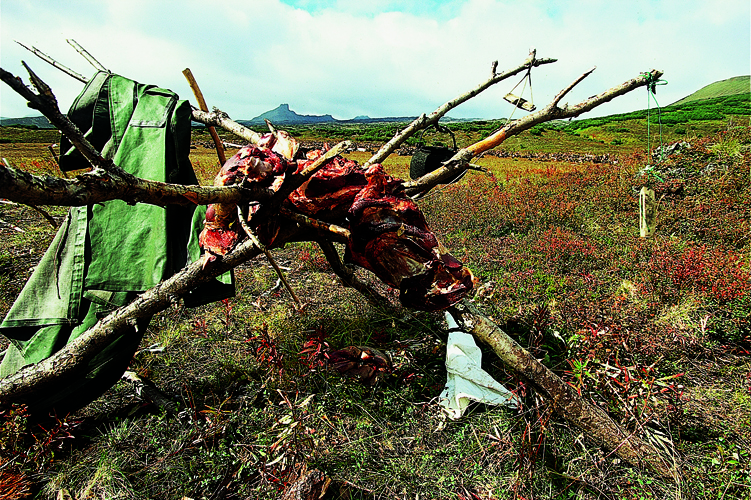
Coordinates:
<point>104,255</point>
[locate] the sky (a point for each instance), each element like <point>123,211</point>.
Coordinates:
<point>378,57</point>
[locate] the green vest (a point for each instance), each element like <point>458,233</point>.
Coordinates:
<point>105,254</point>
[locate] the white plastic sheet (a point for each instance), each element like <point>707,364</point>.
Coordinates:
<point>466,380</point>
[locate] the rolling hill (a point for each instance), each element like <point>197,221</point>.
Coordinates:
<point>731,86</point>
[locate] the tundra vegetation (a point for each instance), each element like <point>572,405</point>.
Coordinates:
<point>655,331</point>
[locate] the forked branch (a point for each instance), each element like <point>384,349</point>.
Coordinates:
<point>550,112</point>
<point>424,121</point>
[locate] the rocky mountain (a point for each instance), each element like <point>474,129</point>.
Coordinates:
<point>283,115</point>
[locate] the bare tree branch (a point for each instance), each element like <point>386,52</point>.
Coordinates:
<point>549,112</point>
<point>99,185</point>
<point>44,57</point>
<point>46,103</point>
<point>425,121</point>
<point>85,53</point>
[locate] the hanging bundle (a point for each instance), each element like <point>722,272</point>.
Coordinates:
<point>519,101</point>
<point>429,158</point>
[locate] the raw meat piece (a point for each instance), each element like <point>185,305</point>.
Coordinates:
<point>391,239</point>
<point>364,362</point>
<point>389,234</point>
<point>222,229</point>
<point>329,194</point>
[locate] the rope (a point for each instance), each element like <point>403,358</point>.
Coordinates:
<point>652,82</point>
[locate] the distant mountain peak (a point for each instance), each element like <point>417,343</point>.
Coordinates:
<point>283,114</point>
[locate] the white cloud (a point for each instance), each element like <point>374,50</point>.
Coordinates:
<point>375,57</point>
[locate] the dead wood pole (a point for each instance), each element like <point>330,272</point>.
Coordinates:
<point>222,160</point>
<point>566,401</point>
<point>424,121</point>
<point>202,104</point>
<point>550,112</point>
<point>85,53</point>
<point>44,57</point>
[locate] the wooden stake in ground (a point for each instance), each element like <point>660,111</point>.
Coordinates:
<point>647,212</point>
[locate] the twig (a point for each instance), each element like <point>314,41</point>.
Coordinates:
<point>44,57</point>
<point>269,257</point>
<point>202,104</point>
<point>13,226</point>
<point>85,53</point>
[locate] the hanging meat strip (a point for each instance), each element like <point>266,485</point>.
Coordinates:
<point>262,164</point>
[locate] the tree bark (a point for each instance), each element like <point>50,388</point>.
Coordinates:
<point>101,185</point>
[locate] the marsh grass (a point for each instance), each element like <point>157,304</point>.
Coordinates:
<point>656,332</point>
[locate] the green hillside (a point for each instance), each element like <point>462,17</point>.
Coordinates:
<point>731,86</point>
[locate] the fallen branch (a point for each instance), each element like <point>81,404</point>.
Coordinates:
<point>594,421</point>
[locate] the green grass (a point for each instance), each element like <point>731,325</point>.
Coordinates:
<point>731,86</point>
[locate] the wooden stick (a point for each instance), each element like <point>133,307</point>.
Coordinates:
<point>550,112</point>
<point>223,159</point>
<point>44,57</point>
<point>202,104</point>
<point>269,257</point>
<point>85,53</point>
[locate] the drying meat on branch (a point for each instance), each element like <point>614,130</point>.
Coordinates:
<point>266,164</point>
<point>391,239</point>
<point>388,234</point>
